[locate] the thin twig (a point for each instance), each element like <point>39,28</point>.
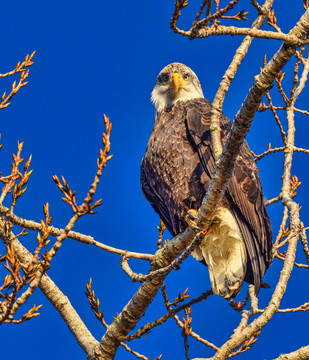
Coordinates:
<point>273,110</point>
<point>304,240</point>
<point>164,270</point>
<point>86,239</point>
<point>149,326</point>
<point>181,325</point>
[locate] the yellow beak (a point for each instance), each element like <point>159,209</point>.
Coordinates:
<point>177,81</point>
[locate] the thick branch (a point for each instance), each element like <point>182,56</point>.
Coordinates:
<point>300,354</point>
<point>201,32</point>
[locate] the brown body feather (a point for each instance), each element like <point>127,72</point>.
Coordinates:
<point>177,169</point>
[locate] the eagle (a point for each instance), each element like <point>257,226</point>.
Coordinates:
<point>176,171</point>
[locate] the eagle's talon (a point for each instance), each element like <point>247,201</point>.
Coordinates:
<point>192,213</point>
<point>191,220</point>
<point>198,228</point>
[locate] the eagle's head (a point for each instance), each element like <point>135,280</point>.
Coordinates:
<point>174,83</point>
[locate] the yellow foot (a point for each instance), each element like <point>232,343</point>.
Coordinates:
<point>191,219</point>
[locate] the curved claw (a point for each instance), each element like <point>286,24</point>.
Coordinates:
<point>191,219</point>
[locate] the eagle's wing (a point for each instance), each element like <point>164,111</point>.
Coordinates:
<point>246,193</point>
<point>244,196</point>
<point>154,198</point>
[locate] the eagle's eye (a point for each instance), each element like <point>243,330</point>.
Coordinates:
<point>186,77</point>
<point>165,78</point>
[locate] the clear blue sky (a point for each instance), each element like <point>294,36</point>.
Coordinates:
<point>104,57</point>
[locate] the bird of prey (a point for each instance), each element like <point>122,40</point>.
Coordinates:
<point>176,172</point>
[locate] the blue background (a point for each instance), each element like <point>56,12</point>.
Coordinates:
<point>103,57</point>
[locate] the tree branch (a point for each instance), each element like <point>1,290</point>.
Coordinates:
<point>300,354</point>
<point>86,239</point>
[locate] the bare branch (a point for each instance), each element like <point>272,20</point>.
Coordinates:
<point>303,237</point>
<point>302,353</point>
<point>164,270</point>
<point>86,239</point>
<point>181,325</point>
<point>273,110</point>
<point>19,68</point>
